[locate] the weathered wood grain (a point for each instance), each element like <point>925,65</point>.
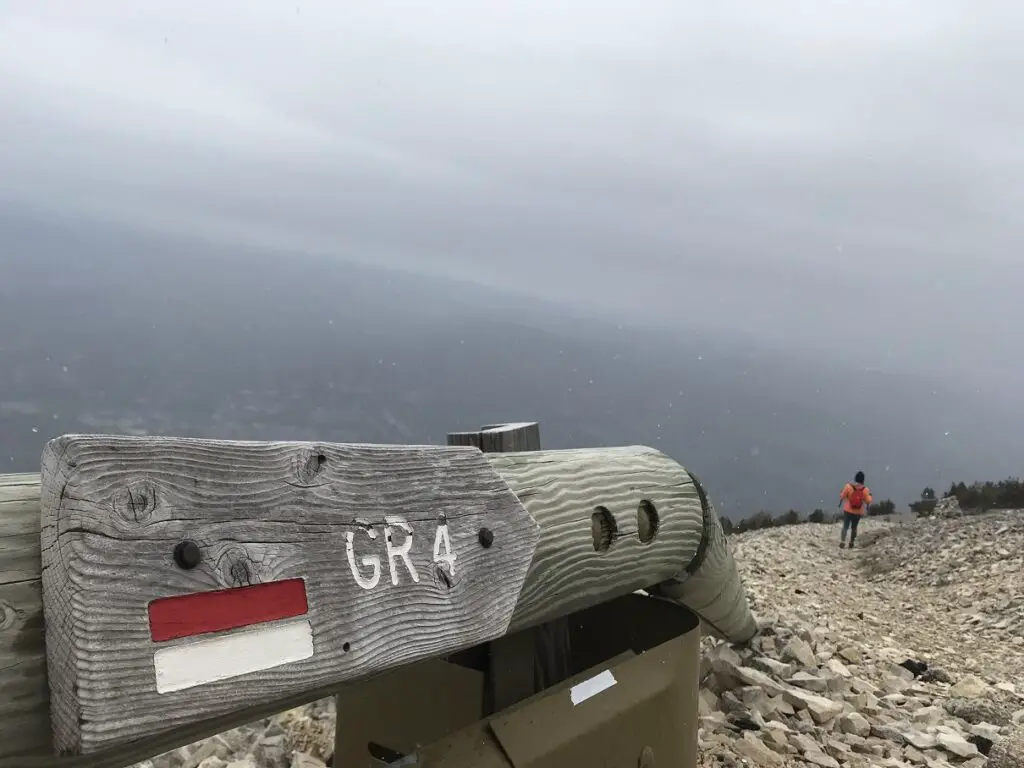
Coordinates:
<point>500,685</point>
<point>24,699</point>
<point>115,507</point>
<point>522,663</point>
<point>19,528</point>
<point>24,696</point>
<point>711,586</point>
<point>562,489</point>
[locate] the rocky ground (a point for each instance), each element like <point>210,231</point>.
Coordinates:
<point>906,652</point>
<point>299,738</point>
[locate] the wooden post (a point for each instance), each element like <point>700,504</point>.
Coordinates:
<point>129,526</point>
<point>522,663</point>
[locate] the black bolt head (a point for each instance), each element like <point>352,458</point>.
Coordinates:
<point>187,555</point>
<point>486,537</point>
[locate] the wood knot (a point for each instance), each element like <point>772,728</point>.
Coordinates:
<point>136,502</point>
<point>237,568</point>
<point>309,464</point>
<point>443,577</point>
<point>8,616</point>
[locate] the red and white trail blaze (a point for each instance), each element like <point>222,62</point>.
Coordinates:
<point>260,626</point>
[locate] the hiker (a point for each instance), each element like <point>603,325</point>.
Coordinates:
<point>854,498</point>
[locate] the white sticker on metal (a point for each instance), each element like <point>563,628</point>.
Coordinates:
<point>589,688</point>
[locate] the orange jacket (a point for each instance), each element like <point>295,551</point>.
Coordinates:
<point>845,498</point>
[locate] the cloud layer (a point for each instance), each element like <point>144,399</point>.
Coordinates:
<point>813,175</point>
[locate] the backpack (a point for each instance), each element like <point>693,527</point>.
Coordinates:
<point>857,497</point>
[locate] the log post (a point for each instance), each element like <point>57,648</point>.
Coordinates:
<point>525,662</point>
<point>177,571</point>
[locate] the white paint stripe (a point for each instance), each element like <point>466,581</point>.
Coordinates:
<point>588,688</point>
<point>217,658</point>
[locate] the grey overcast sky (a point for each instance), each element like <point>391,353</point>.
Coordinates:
<point>811,174</point>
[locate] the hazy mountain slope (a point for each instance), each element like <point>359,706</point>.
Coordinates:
<point>108,330</point>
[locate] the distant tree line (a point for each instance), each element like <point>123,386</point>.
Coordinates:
<point>926,503</point>
<point>765,519</point>
<point>978,496</point>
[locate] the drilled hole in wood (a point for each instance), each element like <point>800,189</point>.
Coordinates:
<point>647,521</point>
<point>602,528</point>
<point>346,647</point>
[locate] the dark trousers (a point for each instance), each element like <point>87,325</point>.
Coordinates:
<point>850,523</point>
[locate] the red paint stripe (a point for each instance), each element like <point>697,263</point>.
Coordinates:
<point>202,612</point>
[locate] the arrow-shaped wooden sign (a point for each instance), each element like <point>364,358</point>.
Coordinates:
<point>186,579</point>
<point>182,577</point>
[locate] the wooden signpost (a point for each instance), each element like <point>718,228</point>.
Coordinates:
<point>182,576</point>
